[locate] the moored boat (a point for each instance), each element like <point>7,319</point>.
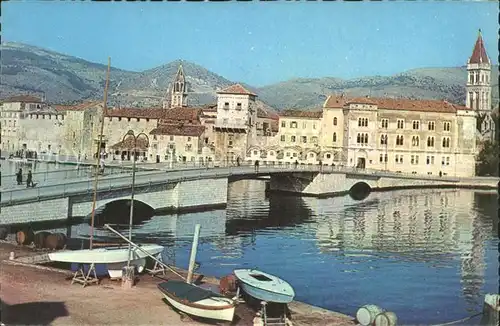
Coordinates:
<point>114,257</point>
<point>264,286</point>
<point>193,300</point>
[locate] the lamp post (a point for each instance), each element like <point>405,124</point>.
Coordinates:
<point>130,134</point>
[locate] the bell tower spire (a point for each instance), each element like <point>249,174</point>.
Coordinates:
<point>478,97</point>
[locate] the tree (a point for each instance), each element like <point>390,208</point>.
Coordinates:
<point>488,159</point>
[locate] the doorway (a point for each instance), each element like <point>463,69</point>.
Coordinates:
<point>361,163</point>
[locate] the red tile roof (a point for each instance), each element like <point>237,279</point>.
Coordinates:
<point>179,129</point>
<point>127,144</point>
<point>22,99</point>
<point>181,114</point>
<point>479,53</point>
<point>302,114</point>
<point>236,89</point>
<point>395,104</point>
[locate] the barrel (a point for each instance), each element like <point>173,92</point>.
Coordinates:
<point>366,314</point>
<point>387,318</point>
<point>25,237</point>
<point>227,284</point>
<point>55,241</point>
<point>40,238</point>
<point>3,233</point>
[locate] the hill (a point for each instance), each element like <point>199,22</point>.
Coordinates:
<point>64,79</point>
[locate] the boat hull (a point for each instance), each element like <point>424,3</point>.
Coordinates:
<point>108,255</point>
<point>266,287</point>
<point>208,304</point>
<point>115,270</point>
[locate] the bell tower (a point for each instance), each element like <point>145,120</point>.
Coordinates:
<point>478,87</point>
<point>177,91</point>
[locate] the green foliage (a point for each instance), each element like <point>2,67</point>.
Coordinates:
<point>488,159</point>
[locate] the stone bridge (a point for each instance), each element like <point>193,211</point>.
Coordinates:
<point>207,188</point>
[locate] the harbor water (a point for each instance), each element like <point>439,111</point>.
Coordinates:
<point>430,256</point>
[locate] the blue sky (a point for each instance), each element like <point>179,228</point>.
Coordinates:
<point>260,43</point>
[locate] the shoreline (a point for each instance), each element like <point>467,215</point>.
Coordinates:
<point>25,284</point>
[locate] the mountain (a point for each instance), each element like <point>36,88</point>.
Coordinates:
<point>64,79</point>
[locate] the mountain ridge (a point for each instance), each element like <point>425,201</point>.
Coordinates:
<point>66,79</point>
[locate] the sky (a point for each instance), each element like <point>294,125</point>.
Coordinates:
<point>260,43</point>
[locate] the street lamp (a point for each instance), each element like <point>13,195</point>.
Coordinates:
<point>130,135</point>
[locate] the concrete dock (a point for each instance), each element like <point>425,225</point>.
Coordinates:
<point>32,294</point>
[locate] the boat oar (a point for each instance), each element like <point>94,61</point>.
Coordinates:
<point>144,251</point>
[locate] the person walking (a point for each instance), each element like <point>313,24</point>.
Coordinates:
<point>19,176</point>
<point>257,166</point>
<point>29,180</point>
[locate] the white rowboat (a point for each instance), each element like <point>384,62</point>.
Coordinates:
<point>264,286</point>
<point>196,301</point>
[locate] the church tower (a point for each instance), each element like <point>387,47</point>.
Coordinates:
<point>479,88</point>
<point>177,91</point>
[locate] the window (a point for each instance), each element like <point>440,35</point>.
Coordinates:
<point>430,141</point>
<point>189,138</point>
<point>314,139</point>
<point>428,160</point>
<point>399,159</point>
<point>381,158</point>
<point>314,126</point>
<point>335,121</point>
<point>399,140</point>
<point>416,125</point>
<point>446,126</point>
<point>238,106</point>
<point>292,139</point>
<point>362,122</point>
<point>283,138</point>
<point>430,125</point>
<point>447,160</point>
<point>414,159</point>
<point>226,106</point>
<point>415,141</point>
<point>304,125</point>
<point>283,124</point>
<point>383,139</point>
<point>188,147</point>
<point>362,139</point>
<point>293,124</point>
<point>401,124</point>
<point>225,121</point>
<point>442,160</point>
<point>446,142</point>
<point>334,139</point>
<point>304,139</point>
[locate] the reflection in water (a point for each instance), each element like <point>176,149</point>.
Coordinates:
<point>428,255</point>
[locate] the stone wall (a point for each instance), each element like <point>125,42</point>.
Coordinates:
<point>183,195</point>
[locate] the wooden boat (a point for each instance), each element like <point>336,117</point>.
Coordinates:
<point>264,286</point>
<point>115,257</point>
<point>196,301</point>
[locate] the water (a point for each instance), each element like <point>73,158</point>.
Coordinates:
<point>428,255</point>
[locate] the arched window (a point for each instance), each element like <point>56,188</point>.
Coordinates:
<point>335,121</point>
<point>334,137</point>
<point>358,139</point>
<point>430,141</point>
<point>366,138</point>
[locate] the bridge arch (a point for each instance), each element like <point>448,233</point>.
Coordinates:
<point>117,211</point>
<point>360,190</point>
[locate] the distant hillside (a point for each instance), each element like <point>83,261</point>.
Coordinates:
<point>63,78</point>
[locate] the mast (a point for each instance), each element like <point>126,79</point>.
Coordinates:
<point>99,144</point>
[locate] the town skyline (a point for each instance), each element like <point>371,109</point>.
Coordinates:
<point>266,63</point>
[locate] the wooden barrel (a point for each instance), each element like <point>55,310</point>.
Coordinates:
<point>25,237</point>
<point>227,284</point>
<point>3,233</point>
<point>55,241</point>
<point>40,238</point>
<point>366,314</point>
<point>386,318</point>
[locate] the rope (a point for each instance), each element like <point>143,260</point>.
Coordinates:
<point>459,321</point>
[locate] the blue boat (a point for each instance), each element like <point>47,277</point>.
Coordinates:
<point>264,286</point>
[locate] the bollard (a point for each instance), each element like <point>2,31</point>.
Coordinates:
<point>128,277</point>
